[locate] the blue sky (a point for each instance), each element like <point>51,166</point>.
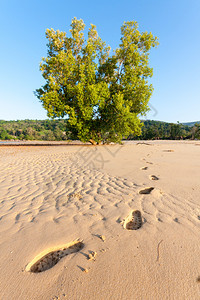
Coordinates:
<point>176,61</point>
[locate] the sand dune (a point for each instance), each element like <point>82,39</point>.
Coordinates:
<point>50,196</point>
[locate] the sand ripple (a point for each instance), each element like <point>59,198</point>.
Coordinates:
<point>47,185</point>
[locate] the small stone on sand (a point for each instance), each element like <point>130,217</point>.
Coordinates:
<point>102,237</point>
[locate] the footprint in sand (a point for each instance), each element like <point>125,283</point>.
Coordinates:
<point>146,190</point>
<point>144,168</point>
<point>176,220</point>
<point>50,257</point>
<point>133,221</point>
<point>153,177</point>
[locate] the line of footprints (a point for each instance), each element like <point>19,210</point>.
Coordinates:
<point>134,220</point>
<point>51,256</point>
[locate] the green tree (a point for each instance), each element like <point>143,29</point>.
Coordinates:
<point>3,134</point>
<point>101,94</point>
<point>196,131</point>
<point>175,131</point>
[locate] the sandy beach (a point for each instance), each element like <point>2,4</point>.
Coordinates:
<point>66,213</point>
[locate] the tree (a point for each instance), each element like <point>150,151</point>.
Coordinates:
<point>101,94</point>
<point>196,131</point>
<point>175,131</point>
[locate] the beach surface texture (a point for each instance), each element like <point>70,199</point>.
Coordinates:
<point>100,222</point>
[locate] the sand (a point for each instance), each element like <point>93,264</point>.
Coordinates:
<point>50,196</point>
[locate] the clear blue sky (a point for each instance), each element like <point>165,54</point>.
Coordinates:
<point>176,62</point>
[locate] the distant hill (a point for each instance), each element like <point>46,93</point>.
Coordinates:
<point>56,130</point>
<point>162,130</point>
<point>46,130</point>
<point>190,124</point>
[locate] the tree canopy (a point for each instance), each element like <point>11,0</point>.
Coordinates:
<point>101,93</point>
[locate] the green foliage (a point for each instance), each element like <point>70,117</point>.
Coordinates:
<point>175,131</point>
<point>50,130</point>
<point>196,131</point>
<point>55,130</point>
<point>165,131</point>
<point>4,134</point>
<point>101,94</point>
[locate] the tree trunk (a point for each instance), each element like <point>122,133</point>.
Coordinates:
<point>92,142</point>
